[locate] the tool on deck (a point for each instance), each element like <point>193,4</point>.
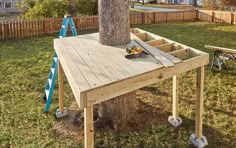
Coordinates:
<point>135,52</point>
<point>68,20</point>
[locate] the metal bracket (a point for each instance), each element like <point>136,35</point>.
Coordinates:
<point>60,114</point>
<point>175,121</point>
<point>199,143</point>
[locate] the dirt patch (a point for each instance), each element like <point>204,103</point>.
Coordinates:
<point>152,109</point>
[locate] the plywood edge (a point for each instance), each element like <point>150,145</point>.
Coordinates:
<point>107,92</point>
<point>76,91</point>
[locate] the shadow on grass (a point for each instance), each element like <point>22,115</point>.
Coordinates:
<point>149,129</point>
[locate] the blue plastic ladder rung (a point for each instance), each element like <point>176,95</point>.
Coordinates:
<point>54,67</point>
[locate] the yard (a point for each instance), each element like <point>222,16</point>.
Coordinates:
<point>24,68</point>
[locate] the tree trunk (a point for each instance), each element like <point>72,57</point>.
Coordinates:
<point>194,2</point>
<point>114,23</point>
<point>72,7</point>
<point>114,29</point>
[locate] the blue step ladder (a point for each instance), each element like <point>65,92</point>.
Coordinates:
<point>68,20</point>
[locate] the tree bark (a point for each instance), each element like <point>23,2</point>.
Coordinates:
<point>194,2</point>
<point>114,30</point>
<point>72,7</point>
<point>114,23</point>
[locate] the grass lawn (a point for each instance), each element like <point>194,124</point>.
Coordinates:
<point>25,63</point>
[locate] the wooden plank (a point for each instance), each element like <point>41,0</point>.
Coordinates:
<point>155,43</point>
<point>182,54</point>
<point>74,76</point>
<point>199,102</point>
<point>220,48</point>
<point>61,87</point>
<point>154,52</point>
<point>168,47</point>
<point>84,67</point>
<point>176,43</point>
<point>175,97</point>
<point>1,30</point>
<point>106,56</point>
<point>88,127</point>
<point>112,90</point>
<point>142,36</point>
<point>171,58</point>
<point>115,56</point>
<point>85,55</point>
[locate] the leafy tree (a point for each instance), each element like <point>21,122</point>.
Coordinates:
<point>194,2</point>
<point>43,8</point>
<point>228,2</point>
<point>87,7</point>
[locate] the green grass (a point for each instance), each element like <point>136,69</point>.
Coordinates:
<point>25,63</point>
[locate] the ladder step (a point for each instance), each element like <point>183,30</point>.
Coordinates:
<point>50,82</point>
<point>55,59</point>
<point>52,70</point>
<point>47,93</point>
<point>54,67</point>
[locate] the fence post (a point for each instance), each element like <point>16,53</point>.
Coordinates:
<point>166,16</point>
<point>154,17</point>
<point>44,26</point>
<point>231,18</point>
<point>183,16</point>
<point>143,18</point>
<point>197,14</point>
<point>213,16</point>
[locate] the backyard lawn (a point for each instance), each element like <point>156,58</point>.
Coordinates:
<point>25,64</point>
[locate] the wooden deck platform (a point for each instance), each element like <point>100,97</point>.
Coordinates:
<point>97,73</point>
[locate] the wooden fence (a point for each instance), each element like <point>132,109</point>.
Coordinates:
<point>28,28</point>
<point>217,16</point>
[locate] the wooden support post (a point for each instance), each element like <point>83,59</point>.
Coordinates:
<point>61,87</point>
<point>175,120</point>
<point>198,139</point>
<point>61,112</point>
<point>175,104</point>
<point>199,102</point>
<point>88,127</point>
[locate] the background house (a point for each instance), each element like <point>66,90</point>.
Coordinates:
<point>9,6</point>
<point>145,1</point>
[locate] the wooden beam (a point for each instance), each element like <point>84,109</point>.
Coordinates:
<point>221,49</point>
<point>175,104</point>
<point>88,127</point>
<point>109,91</point>
<point>181,54</point>
<point>61,87</point>
<point>155,43</point>
<point>199,102</point>
<point>142,36</point>
<point>166,47</point>
<point>153,51</point>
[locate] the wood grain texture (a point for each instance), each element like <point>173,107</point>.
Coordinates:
<point>61,87</point>
<point>114,22</point>
<point>175,103</point>
<point>88,127</point>
<point>97,73</point>
<point>199,102</point>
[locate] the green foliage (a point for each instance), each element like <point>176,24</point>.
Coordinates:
<point>87,7</point>
<point>44,8</point>
<point>228,2</point>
